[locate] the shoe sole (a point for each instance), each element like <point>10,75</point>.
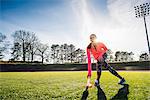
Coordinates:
<point>122,83</point>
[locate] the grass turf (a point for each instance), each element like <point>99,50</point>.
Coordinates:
<point>69,85</point>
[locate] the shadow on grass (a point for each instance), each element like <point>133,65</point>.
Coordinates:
<point>122,93</point>
<point>100,94</point>
<point>85,94</point>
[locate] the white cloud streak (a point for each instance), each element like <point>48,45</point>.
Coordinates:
<point>119,29</point>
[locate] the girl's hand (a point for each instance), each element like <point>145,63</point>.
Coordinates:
<point>89,85</point>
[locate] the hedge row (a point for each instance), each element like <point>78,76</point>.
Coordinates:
<point>144,65</point>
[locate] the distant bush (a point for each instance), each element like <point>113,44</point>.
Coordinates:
<point>144,65</point>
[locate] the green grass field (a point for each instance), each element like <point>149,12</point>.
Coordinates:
<point>69,85</point>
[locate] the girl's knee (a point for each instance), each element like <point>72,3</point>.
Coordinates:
<point>98,68</point>
<point>106,65</point>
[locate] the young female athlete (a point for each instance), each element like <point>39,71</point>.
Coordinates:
<point>98,50</point>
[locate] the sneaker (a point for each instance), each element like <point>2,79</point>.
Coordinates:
<point>96,83</point>
<point>122,81</point>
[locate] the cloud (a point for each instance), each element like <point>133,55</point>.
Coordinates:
<point>73,21</point>
<point>119,28</point>
<point>129,30</point>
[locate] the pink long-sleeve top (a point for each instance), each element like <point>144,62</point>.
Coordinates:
<point>97,51</point>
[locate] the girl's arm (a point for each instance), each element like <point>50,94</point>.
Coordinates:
<point>89,63</point>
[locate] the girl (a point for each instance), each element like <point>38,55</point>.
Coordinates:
<point>98,50</point>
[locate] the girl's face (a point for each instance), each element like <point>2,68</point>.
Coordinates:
<point>93,38</point>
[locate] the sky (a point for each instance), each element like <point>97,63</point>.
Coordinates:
<point>72,21</point>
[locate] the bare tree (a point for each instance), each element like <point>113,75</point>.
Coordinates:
<point>68,53</point>
<point>83,56</point>
<point>41,51</point>
<point>80,56</point>
<point>65,52</point>
<point>48,55</point>
<point>117,54</point>
<point>55,53</point>
<point>33,46</point>
<point>72,49</point>
<point>24,45</point>
<point>110,56</point>
<point>62,54</point>
<point>21,38</point>
<point>130,56</point>
<point>3,45</point>
<point>16,51</point>
<point>144,57</point>
<point>123,56</point>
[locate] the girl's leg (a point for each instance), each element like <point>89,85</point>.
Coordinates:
<point>111,70</point>
<point>99,70</point>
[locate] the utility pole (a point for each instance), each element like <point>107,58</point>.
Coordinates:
<point>142,11</point>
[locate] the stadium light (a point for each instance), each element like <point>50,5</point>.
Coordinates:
<point>142,11</point>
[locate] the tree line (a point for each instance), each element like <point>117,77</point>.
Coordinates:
<point>27,47</point>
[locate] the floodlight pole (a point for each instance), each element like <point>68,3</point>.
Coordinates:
<point>142,11</point>
<point>147,34</point>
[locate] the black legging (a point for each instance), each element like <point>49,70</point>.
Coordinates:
<point>102,62</point>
